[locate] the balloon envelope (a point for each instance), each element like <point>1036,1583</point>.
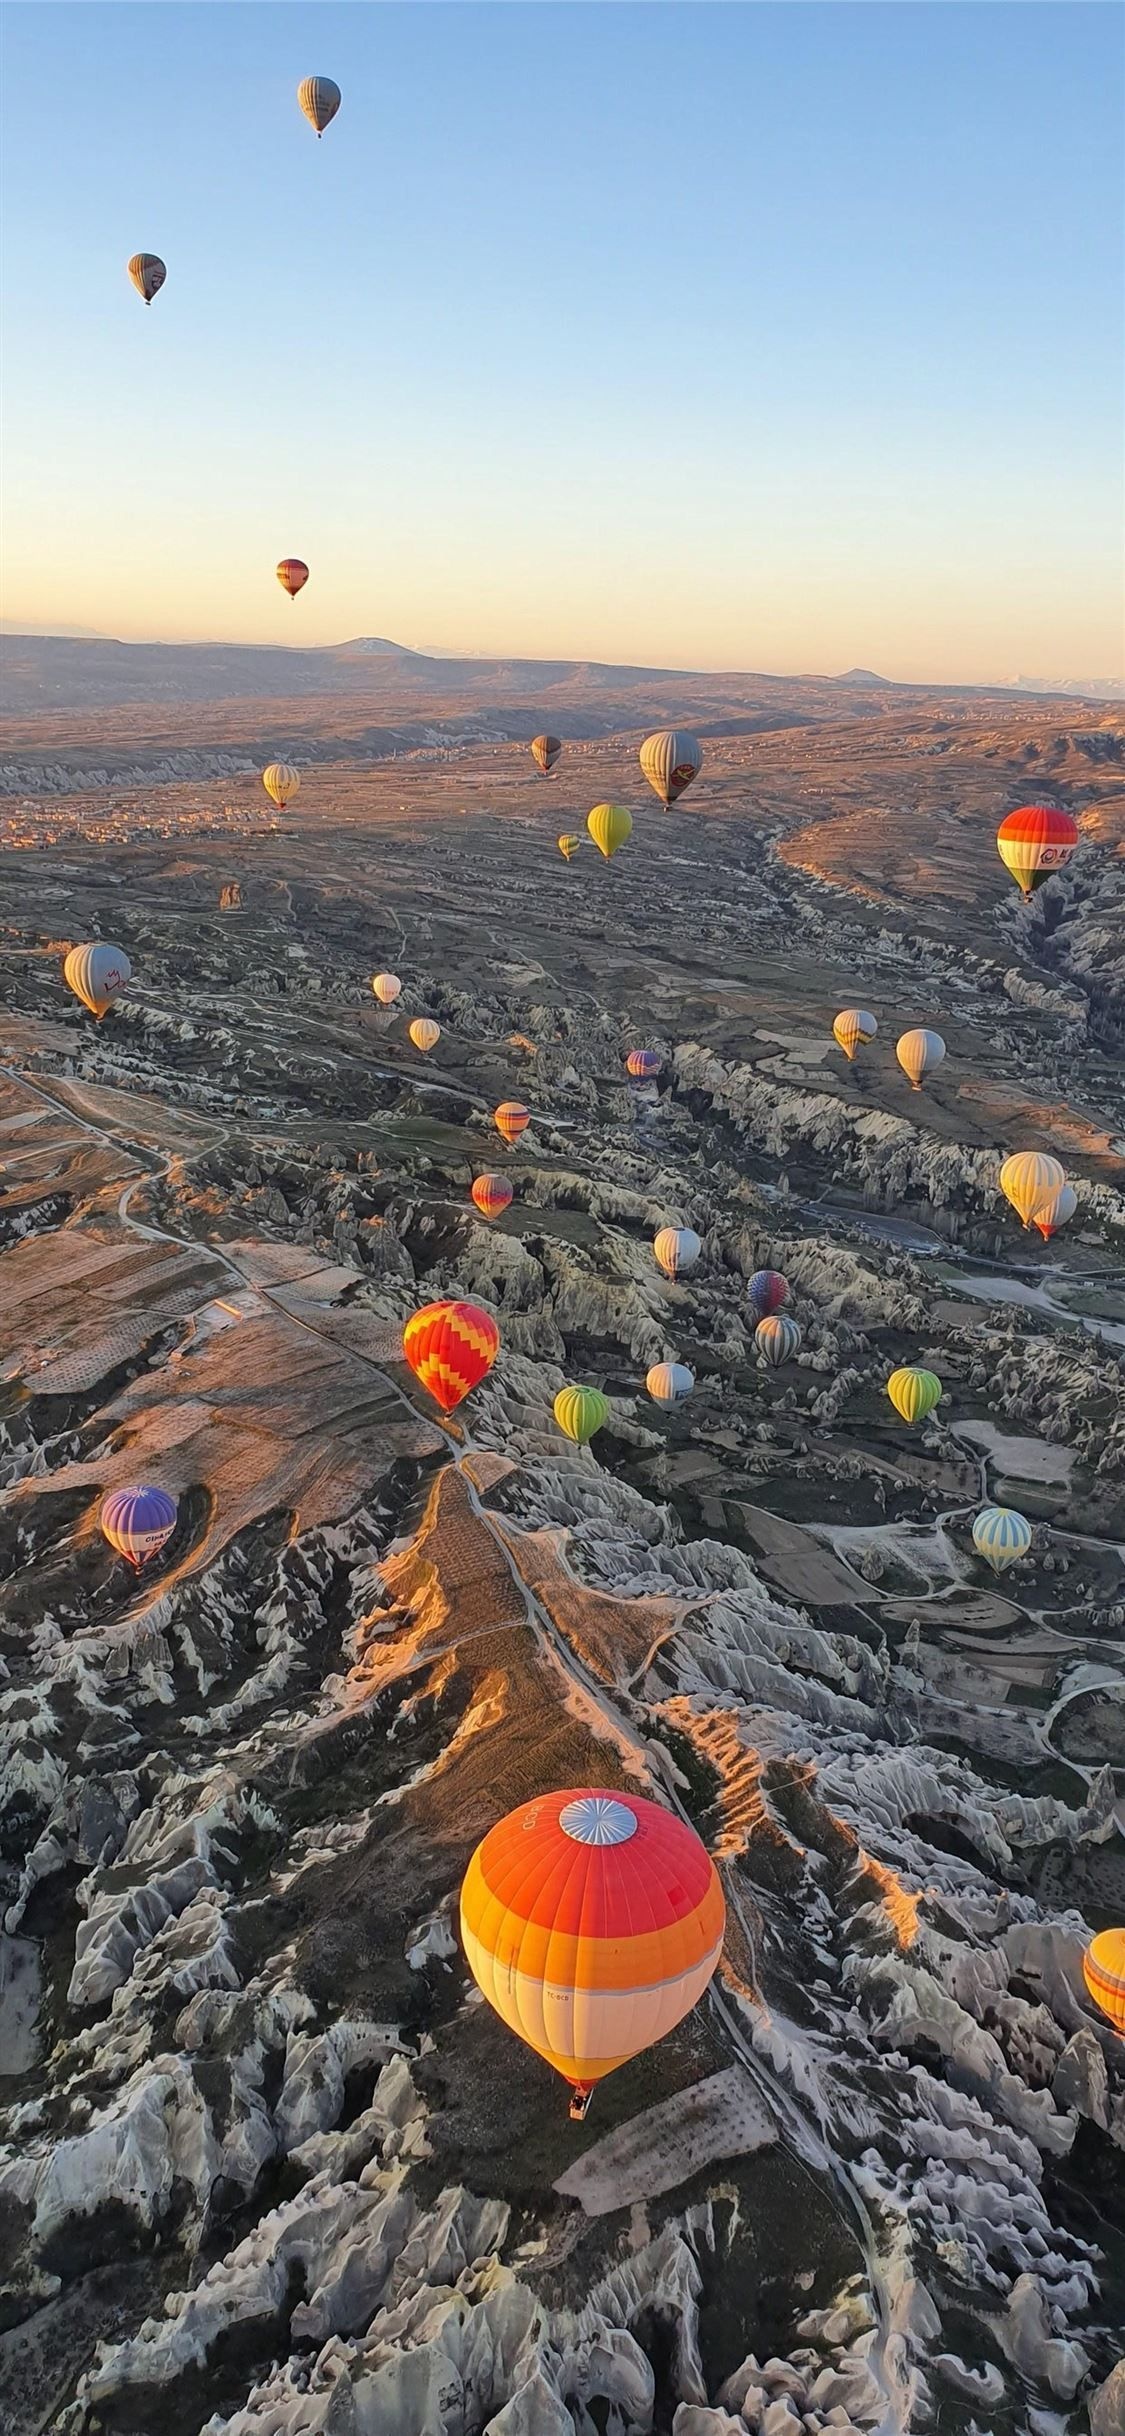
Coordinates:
<point>511,1119</point>
<point>386,987</point>
<point>570,845</point>
<point>580,1411</point>
<point>425,1033</point>
<point>1035,841</point>
<point>545,751</point>
<point>918,1053</point>
<point>148,274</point>
<point>492,1195</point>
<point>853,1026</point>
<point>914,1392</point>
<point>292,575</point>
<point>677,1248</point>
<point>609,826</point>
<point>1030,1179</point>
<point>643,1064</point>
<point>1055,1212</point>
<point>1001,1535</point>
<point>777,1339</point>
<point>95,973</point>
<point>281,781</point>
<point>592,1922</point>
<point>319,99</point>
<point>1103,1969</point>
<point>138,1521</point>
<point>670,760</point>
<point>450,1347</point>
<point>667,1382</point>
<point>767,1291</point>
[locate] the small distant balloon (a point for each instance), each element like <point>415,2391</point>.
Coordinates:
<point>918,1053</point>
<point>1001,1536</point>
<point>96,973</point>
<point>609,826</point>
<point>914,1392</point>
<point>570,845</point>
<point>580,1412</point>
<point>386,987</point>
<point>148,274</point>
<point>1030,1179</point>
<point>450,1347</point>
<point>676,1249</point>
<point>425,1033</point>
<point>853,1028</point>
<point>669,1382</point>
<point>511,1119</point>
<point>767,1291</point>
<point>292,575</point>
<point>1056,1211</point>
<point>1034,842</point>
<point>137,1522</point>
<point>319,99</point>
<point>777,1339</point>
<point>492,1195</point>
<point>282,782</point>
<point>670,760</point>
<point>545,751</point>
<point>1103,1969</point>
<point>644,1065</point>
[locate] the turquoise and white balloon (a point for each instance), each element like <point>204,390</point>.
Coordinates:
<point>1001,1536</point>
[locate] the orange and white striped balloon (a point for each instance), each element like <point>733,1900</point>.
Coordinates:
<point>450,1347</point>
<point>511,1119</point>
<point>592,1922</point>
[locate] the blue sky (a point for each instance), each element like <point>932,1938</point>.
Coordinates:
<point>779,337</point>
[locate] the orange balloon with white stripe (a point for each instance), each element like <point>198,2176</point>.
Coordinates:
<point>592,1921</point>
<point>1103,1969</point>
<point>450,1347</point>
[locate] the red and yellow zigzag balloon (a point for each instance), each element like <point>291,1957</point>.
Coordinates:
<point>450,1347</point>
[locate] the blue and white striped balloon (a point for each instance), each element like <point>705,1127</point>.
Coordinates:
<point>1001,1535</point>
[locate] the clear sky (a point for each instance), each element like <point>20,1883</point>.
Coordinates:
<point>780,337</point>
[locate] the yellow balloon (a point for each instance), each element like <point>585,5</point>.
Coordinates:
<point>914,1392</point>
<point>425,1033</point>
<point>609,826</point>
<point>569,845</point>
<point>1030,1179</point>
<point>580,1411</point>
<point>281,781</point>
<point>1103,1969</point>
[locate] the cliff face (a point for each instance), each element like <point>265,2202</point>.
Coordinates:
<point>269,2164</point>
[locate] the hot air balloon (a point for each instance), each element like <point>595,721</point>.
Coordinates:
<point>137,1522</point>
<point>319,99</point>
<point>777,1339</point>
<point>281,781</point>
<point>580,1412</point>
<point>670,760</point>
<point>148,274</point>
<point>918,1053</point>
<point>914,1392</point>
<point>1001,1535</point>
<point>592,1922</point>
<point>667,1382</point>
<point>450,1347</point>
<point>1035,841</point>
<point>1030,1179</point>
<point>425,1033</point>
<point>1056,1211</point>
<point>511,1119</point>
<point>767,1291</point>
<point>643,1065</point>
<point>492,1195</point>
<point>677,1248</point>
<point>386,987</point>
<point>609,826</point>
<point>569,846</point>
<point>292,575</point>
<point>96,973</point>
<point>1103,1969</point>
<point>545,751</point>
<point>852,1028</point>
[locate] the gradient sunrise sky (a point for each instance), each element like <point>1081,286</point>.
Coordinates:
<point>782,337</point>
